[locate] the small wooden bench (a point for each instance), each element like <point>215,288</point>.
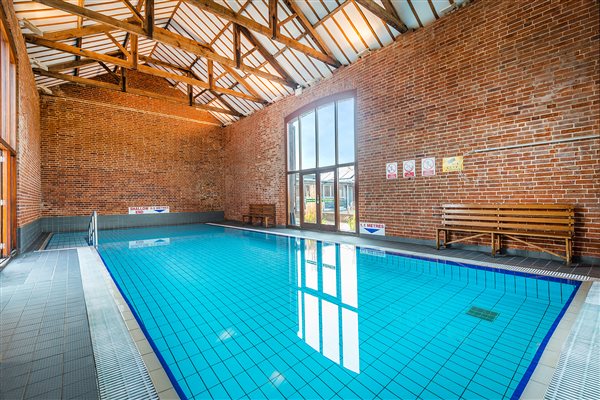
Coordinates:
<point>264,213</point>
<point>513,221</point>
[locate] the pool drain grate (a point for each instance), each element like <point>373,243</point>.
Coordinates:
<point>487,315</point>
<point>122,373</point>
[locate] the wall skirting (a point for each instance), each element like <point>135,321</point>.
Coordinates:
<point>29,233</point>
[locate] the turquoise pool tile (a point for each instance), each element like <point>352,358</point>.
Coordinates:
<point>210,307</point>
<point>483,391</point>
<point>186,367</point>
<point>218,392</point>
<point>196,385</point>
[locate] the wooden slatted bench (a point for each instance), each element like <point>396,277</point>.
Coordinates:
<point>264,213</point>
<point>513,221</point>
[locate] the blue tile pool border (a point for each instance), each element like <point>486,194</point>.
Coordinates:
<point>522,383</point>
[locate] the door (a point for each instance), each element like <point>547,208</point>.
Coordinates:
<point>319,200</point>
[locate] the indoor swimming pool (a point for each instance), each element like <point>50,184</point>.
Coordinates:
<point>234,313</point>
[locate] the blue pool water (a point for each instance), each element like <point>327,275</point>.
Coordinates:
<point>235,313</point>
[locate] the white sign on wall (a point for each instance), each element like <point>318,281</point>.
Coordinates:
<point>391,170</point>
<point>149,210</point>
<point>372,229</point>
<point>408,170</point>
<point>428,166</point>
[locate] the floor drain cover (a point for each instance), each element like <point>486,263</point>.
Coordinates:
<point>482,313</point>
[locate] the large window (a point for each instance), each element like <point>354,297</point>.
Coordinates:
<point>8,139</point>
<point>321,165</point>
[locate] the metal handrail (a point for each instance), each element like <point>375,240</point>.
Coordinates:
<point>93,230</point>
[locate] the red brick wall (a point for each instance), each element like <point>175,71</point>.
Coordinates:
<point>142,152</point>
<point>29,193</point>
<point>494,73</point>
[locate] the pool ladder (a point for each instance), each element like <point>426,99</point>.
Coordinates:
<point>93,230</point>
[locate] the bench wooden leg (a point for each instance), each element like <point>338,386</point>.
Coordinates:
<point>266,222</point>
<point>499,244</point>
<point>437,239</point>
<point>568,250</point>
<point>493,245</point>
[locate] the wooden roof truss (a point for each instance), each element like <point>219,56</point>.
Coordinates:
<point>230,57</point>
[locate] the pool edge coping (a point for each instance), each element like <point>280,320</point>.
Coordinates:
<point>158,375</point>
<point>539,381</point>
<point>400,252</point>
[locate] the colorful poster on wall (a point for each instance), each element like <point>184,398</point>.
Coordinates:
<point>370,228</point>
<point>408,169</point>
<point>428,166</point>
<point>149,210</point>
<point>451,164</point>
<point>391,170</point>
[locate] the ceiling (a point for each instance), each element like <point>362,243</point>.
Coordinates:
<point>312,39</point>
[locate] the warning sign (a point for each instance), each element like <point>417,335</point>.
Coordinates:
<point>372,229</point>
<point>451,164</point>
<point>391,170</point>
<point>408,169</point>
<point>428,166</point>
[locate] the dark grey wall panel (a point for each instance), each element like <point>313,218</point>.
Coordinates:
<point>75,224</point>
<point>28,234</point>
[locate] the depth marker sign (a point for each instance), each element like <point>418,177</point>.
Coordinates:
<point>149,210</point>
<point>372,229</point>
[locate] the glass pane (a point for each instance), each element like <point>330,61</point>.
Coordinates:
<point>294,199</point>
<point>327,198</point>
<point>310,198</point>
<point>346,201</point>
<point>326,130</point>
<point>307,134</point>
<point>293,146</point>
<point>345,131</point>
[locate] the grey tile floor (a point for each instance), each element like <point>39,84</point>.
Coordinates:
<point>67,241</point>
<point>584,269</point>
<point>45,345</point>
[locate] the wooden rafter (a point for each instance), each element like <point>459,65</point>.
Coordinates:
<point>196,82</point>
<point>230,15</point>
<point>383,14</point>
<point>159,35</point>
<point>76,63</point>
<point>133,54</point>
<point>389,7</point>
<point>131,65</point>
<point>155,61</point>
<point>308,27</point>
<point>139,92</point>
<point>268,57</point>
<point>237,44</point>
<point>149,19</point>
<point>136,14</point>
<point>79,40</point>
<point>75,50</point>
<point>109,71</point>
<point>273,25</point>
<point>433,10</point>
<point>211,74</point>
